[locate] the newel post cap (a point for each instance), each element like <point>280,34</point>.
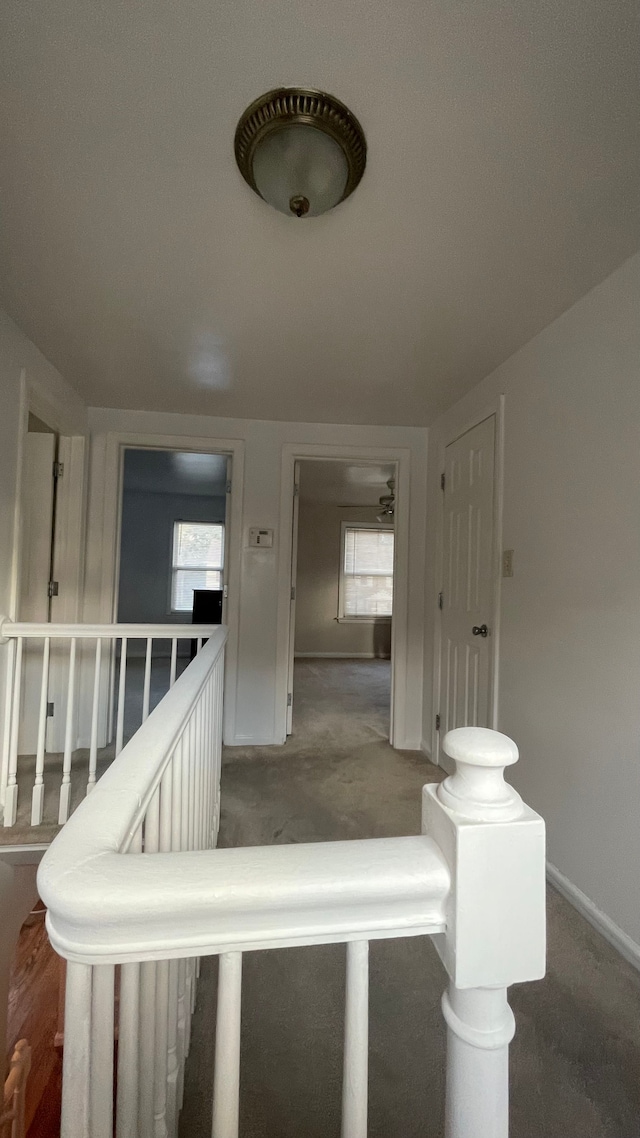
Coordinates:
<point>477,791</point>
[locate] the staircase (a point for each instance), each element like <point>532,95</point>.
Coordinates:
<point>137,895</point>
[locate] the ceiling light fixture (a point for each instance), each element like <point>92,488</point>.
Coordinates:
<point>388,503</point>
<point>301,150</point>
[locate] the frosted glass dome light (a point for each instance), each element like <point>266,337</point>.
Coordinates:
<point>302,151</point>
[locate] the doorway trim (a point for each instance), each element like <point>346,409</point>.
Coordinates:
<point>401,456</point>
<point>109,461</point>
<point>496,408</point>
<point>71,509</point>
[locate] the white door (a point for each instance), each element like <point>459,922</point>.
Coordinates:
<point>37,526</point>
<point>292,601</point>
<point>467,597</point>
<point>35,571</point>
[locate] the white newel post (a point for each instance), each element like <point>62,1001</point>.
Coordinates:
<point>495,935</point>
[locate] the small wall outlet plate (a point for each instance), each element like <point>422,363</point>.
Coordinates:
<point>260,538</point>
<point>507,563</point>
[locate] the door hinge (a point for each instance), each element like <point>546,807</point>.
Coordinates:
<point>437,722</point>
<point>49,710</point>
<point>296,490</point>
<point>58,469</point>
<point>442,480</point>
<point>228,487</point>
<point>289,699</point>
<point>293,592</point>
<point>52,589</point>
<point>440,600</point>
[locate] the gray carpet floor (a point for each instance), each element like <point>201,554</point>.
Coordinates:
<point>575,1060</point>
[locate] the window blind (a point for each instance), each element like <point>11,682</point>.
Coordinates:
<point>367,571</point>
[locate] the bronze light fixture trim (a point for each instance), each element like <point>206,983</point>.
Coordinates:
<point>287,107</point>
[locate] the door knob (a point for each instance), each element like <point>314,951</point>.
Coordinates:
<point>480,630</point>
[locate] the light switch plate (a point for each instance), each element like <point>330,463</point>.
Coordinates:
<point>260,538</point>
<point>507,563</point>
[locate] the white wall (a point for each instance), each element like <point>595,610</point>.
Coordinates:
<point>146,546</point>
<point>570,637</point>
<point>258,710</point>
<point>319,549</point>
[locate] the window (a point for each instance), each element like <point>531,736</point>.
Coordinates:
<point>366,572</point>
<point>197,563</point>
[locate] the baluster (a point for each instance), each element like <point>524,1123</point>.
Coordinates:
<point>226,1078</point>
<point>199,803</point>
<point>76,1056</point>
<point>128,1041</point>
<point>129,1037</point>
<point>208,760</point>
<point>11,793</point>
<point>191,742</point>
<point>219,678</point>
<point>198,644</point>
<point>356,1042</point>
<point>173,1056</point>
<point>102,1015</point>
<point>181,1047</point>
<point>37,797</point>
<point>162,976</point>
<point>148,995</point>
<point>95,711</point>
<point>480,1027</point>
<point>65,789</point>
<point>146,697</point>
<point>122,683</point>
<point>6,725</point>
<point>174,661</point>
<point>183,974</point>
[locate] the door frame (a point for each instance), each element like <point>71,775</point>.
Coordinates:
<point>69,545</point>
<point>109,459</point>
<point>495,409</point>
<point>401,456</point>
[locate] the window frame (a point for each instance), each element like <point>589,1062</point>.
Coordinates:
<point>173,568</point>
<point>370,618</point>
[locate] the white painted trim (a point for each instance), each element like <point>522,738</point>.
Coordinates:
<point>23,421</point>
<point>611,932</point>
<point>401,456</point>
<point>107,472</point>
<point>496,408</point>
<point>339,656</point>
<point>71,506</point>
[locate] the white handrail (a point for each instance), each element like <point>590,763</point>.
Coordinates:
<point>210,901</point>
<point>19,630</point>
<point>475,876</point>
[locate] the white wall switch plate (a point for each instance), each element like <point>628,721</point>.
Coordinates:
<point>260,538</point>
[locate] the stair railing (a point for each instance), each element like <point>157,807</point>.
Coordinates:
<point>67,687</point>
<point>132,883</point>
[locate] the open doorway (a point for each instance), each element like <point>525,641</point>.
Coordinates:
<point>342,593</point>
<point>173,556</point>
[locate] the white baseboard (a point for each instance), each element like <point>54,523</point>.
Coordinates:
<point>338,656</point>
<point>600,921</point>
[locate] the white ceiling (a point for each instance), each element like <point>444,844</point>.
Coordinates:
<point>502,183</point>
<point>344,483</point>
<point>175,472</point>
